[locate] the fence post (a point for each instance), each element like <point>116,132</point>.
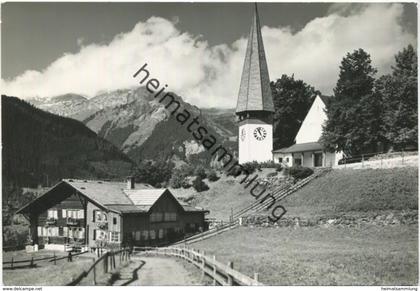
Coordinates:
<point>229,278</point>
<point>55,262</point>
<point>214,270</point>
<point>256,277</point>
<point>363,161</point>
<point>32,262</point>
<point>105,264</point>
<point>402,159</point>
<point>94,274</point>
<point>203,262</point>
<point>11,264</point>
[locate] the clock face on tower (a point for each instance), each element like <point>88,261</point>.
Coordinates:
<point>243,134</point>
<point>260,133</point>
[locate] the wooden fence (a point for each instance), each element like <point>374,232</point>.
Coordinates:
<point>221,274</point>
<point>107,262</point>
<point>31,263</point>
<point>209,233</point>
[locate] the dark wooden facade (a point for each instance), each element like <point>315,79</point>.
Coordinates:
<point>142,230</point>
<point>64,216</point>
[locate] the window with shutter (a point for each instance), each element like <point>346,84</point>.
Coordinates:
<point>94,234</point>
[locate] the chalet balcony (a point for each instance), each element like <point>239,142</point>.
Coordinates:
<point>73,221</point>
<point>51,221</point>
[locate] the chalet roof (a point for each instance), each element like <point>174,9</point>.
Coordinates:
<point>254,91</point>
<point>113,195</point>
<point>301,147</point>
<point>129,208</point>
<point>145,197</point>
<point>104,192</point>
<point>193,208</point>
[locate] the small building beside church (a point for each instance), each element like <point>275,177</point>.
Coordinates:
<point>308,151</point>
<point>91,214</point>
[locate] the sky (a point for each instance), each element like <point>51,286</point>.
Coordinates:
<point>197,49</point>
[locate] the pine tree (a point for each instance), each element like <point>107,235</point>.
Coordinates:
<point>353,124</point>
<point>399,95</point>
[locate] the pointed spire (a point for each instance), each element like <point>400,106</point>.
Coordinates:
<point>254,91</point>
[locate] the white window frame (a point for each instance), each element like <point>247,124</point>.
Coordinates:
<point>114,236</point>
<point>52,213</point>
<point>160,233</point>
<point>156,216</point>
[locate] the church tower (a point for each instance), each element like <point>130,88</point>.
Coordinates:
<point>255,104</point>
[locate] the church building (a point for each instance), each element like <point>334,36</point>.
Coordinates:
<point>255,111</point>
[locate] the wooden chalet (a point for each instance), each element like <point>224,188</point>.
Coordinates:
<point>92,214</point>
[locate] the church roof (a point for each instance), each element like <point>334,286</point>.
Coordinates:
<point>301,147</point>
<point>254,91</point>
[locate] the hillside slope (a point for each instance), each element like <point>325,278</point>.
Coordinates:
<point>343,191</point>
<point>336,193</point>
<point>38,145</point>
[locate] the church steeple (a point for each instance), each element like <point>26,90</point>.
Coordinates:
<point>255,92</point>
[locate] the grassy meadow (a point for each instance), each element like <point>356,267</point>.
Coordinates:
<point>370,255</point>
<point>45,273</point>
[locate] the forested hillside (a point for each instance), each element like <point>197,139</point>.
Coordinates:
<point>40,148</point>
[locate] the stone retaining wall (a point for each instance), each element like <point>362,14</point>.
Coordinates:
<point>346,220</point>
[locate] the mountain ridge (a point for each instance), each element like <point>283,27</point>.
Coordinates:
<point>141,126</point>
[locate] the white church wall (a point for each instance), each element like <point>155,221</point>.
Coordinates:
<point>286,159</point>
<point>311,128</point>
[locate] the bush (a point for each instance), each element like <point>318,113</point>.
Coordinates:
<point>179,175</point>
<point>200,172</point>
<point>176,180</point>
<point>268,164</point>
<point>212,176</point>
<point>279,167</point>
<point>186,184</point>
<point>250,167</point>
<point>272,174</point>
<point>154,173</point>
<point>299,172</point>
<point>186,170</point>
<point>199,185</point>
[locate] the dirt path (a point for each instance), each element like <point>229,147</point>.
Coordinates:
<point>158,271</point>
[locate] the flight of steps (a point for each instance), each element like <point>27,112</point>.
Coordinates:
<point>279,194</point>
